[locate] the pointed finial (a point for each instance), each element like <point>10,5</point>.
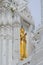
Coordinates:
<point>21,26</point>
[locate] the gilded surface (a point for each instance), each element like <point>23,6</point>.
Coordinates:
<point>23,53</point>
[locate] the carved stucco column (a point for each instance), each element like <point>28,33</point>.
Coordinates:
<point>30,44</point>
<point>9,44</point>
<point>16,43</point>
<point>6,45</point>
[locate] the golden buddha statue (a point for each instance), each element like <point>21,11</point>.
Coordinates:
<point>23,53</point>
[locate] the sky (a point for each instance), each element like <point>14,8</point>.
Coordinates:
<point>35,8</point>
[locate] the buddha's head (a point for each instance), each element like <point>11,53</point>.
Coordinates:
<point>22,30</point>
